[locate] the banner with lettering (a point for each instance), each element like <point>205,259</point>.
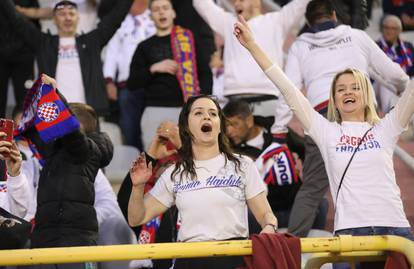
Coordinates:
<point>184,53</point>
<point>278,166</point>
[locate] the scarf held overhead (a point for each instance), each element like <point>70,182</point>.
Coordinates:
<point>44,110</point>
<point>183,49</point>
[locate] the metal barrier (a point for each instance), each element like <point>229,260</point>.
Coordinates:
<point>318,259</point>
<point>340,245</point>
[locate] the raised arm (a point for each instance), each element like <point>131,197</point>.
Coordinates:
<point>214,15</point>
<point>111,22</point>
<point>42,13</point>
<point>405,105</point>
<point>25,28</point>
<point>292,14</point>
<point>294,98</point>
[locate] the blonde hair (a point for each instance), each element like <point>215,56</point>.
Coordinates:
<point>370,113</point>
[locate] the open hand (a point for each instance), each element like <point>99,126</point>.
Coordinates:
<point>140,172</point>
<point>49,80</point>
<point>169,130</point>
<point>243,33</point>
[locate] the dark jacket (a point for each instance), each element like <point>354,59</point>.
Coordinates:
<point>65,213</point>
<point>89,46</point>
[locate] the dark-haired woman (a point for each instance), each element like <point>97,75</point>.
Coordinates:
<point>210,186</point>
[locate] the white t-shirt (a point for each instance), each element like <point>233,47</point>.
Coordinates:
<point>369,195</point>
<point>68,71</point>
<point>213,206</point>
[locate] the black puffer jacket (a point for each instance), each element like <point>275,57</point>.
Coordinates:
<point>65,213</point>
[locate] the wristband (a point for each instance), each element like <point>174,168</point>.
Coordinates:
<point>273,225</point>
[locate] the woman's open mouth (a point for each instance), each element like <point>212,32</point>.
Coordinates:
<point>205,128</point>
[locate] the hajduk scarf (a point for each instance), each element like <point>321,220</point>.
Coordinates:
<point>280,158</point>
<point>183,50</point>
<point>44,110</point>
<point>403,58</point>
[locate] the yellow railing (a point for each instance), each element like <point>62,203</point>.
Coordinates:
<point>318,259</point>
<point>340,245</point>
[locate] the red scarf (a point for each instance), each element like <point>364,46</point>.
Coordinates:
<point>183,50</point>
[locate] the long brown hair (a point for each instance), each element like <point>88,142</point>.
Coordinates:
<point>185,165</point>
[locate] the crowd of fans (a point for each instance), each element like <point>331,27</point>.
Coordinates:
<point>184,91</point>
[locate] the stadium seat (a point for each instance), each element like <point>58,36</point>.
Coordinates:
<point>121,162</point>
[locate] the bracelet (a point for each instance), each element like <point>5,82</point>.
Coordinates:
<point>273,225</point>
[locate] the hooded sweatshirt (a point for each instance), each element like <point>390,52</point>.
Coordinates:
<point>242,75</point>
<point>315,58</point>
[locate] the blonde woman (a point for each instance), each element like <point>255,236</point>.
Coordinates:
<point>366,197</point>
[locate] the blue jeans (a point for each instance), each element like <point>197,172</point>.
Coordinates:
<point>375,230</point>
<point>131,105</point>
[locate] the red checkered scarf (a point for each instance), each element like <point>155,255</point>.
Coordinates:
<point>403,59</point>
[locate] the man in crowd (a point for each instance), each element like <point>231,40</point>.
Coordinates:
<point>74,60</point>
<point>243,79</point>
<point>250,135</point>
<point>167,78</point>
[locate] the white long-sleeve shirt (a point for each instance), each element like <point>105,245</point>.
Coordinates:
<point>15,195</point>
<point>241,73</point>
<point>106,205</point>
<point>315,58</point>
<point>369,195</point>
<point>121,47</point>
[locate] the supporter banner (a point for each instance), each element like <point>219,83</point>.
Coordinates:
<point>183,49</point>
